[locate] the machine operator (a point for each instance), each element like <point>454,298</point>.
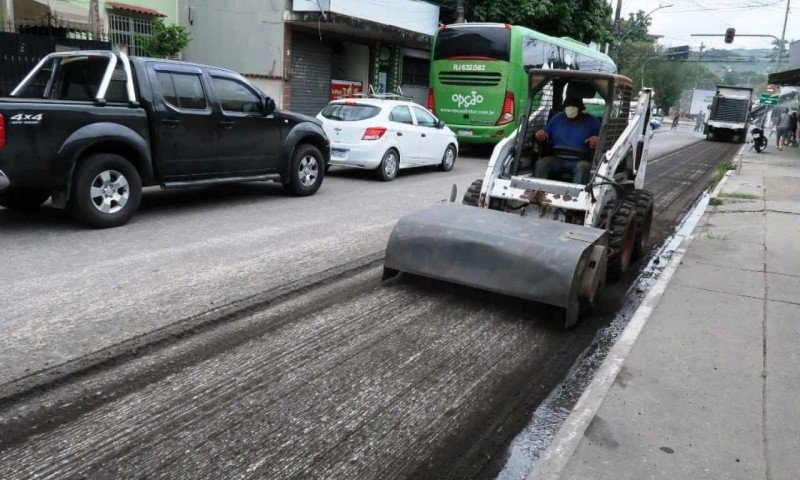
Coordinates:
<point>572,129</point>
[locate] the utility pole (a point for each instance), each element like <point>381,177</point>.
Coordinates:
<point>94,18</point>
<point>617,14</point>
<point>461,11</point>
<point>8,13</point>
<point>783,36</point>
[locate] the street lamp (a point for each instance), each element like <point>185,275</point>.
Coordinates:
<point>647,15</point>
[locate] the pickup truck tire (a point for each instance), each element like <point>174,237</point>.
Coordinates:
<point>23,199</point>
<point>306,171</point>
<point>106,191</point>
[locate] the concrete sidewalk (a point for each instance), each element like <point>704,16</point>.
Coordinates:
<point>711,387</point>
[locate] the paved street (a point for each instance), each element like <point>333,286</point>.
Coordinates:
<point>345,375</point>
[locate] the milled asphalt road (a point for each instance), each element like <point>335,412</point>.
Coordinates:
<point>353,379</point>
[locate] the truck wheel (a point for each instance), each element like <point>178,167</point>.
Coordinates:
<point>306,171</point>
<point>106,191</point>
<point>449,159</point>
<point>23,199</point>
<point>473,193</point>
<point>622,237</point>
<point>390,164</point>
<point>643,201</point>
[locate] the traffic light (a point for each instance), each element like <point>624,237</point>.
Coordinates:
<point>729,33</point>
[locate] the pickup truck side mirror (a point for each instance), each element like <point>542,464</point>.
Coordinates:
<point>269,106</point>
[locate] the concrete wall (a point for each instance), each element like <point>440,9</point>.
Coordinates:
<point>414,15</point>
<point>242,35</point>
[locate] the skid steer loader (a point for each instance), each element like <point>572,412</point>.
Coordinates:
<point>547,240</point>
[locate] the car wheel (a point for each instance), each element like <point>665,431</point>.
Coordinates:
<point>106,191</point>
<point>449,159</point>
<point>390,164</point>
<point>23,199</point>
<point>307,171</point>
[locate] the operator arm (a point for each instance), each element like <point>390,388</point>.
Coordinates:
<point>547,132</point>
<point>594,133</point>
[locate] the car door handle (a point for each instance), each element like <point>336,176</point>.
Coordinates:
<point>424,135</point>
<point>170,122</point>
<point>399,134</point>
<point>227,125</point>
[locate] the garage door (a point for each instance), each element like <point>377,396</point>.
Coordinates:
<point>311,74</point>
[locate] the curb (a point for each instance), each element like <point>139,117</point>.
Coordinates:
<point>558,454</point>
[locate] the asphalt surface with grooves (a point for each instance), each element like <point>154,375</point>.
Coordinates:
<point>415,379</point>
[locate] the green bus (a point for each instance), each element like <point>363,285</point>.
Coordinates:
<point>478,74</point>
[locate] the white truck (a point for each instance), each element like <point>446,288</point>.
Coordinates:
<point>729,114</point>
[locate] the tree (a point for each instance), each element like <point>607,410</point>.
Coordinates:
<point>635,28</point>
<point>584,20</point>
<point>166,41</point>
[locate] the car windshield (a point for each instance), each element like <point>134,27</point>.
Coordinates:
<point>349,112</point>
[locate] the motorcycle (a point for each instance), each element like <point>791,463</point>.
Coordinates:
<point>759,139</point>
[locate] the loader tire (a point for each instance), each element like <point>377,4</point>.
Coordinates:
<point>473,193</point>
<point>622,237</point>
<point>643,200</point>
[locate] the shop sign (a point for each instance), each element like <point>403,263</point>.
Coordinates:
<point>344,88</point>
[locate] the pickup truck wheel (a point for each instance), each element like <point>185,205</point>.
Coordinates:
<point>106,191</point>
<point>23,199</point>
<point>307,171</point>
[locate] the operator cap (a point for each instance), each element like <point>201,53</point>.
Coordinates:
<point>574,102</point>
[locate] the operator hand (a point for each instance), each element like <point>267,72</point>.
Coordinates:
<point>592,142</point>
<point>540,135</point>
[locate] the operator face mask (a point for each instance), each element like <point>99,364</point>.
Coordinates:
<point>571,112</point>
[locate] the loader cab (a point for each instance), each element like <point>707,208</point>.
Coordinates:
<point>605,96</point>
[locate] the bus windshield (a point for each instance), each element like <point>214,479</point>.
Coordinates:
<point>473,43</point>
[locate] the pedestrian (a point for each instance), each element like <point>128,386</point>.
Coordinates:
<point>675,119</point>
<point>783,128</point>
<point>698,122</point>
<point>774,118</point>
<point>793,128</point>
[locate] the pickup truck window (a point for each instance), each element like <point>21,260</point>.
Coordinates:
<point>182,90</point>
<point>236,97</point>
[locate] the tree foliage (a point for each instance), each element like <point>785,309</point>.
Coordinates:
<point>641,59</point>
<point>584,20</point>
<point>166,41</point>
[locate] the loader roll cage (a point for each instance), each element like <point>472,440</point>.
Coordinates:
<point>547,89</point>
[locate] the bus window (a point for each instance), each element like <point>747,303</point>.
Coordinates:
<point>474,43</point>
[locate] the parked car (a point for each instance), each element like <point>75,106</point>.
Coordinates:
<point>387,134</point>
<point>91,128</point>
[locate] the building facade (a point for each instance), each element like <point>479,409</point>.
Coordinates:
<point>302,53</point>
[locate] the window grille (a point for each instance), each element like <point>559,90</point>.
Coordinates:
<point>125,32</point>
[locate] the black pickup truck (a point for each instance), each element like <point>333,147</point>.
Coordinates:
<point>92,128</point>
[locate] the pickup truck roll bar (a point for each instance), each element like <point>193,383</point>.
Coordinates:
<point>100,98</point>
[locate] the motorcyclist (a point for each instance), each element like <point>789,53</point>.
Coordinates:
<point>572,129</point>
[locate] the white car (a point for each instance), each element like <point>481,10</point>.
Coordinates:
<point>385,135</point>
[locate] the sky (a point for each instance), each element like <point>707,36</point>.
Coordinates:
<point>686,17</point>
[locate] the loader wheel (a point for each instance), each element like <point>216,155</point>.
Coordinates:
<point>473,193</point>
<point>643,200</point>
<point>622,237</point>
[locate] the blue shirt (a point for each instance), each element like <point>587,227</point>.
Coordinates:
<point>572,134</point>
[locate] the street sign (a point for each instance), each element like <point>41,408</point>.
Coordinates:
<point>767,99</point>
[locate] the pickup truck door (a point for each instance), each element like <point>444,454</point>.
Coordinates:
<point>249,140</point>
<point>185,124</point>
